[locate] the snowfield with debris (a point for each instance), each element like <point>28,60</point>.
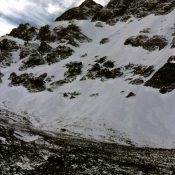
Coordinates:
<point>98,88</point>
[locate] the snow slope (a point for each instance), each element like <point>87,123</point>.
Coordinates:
<point>146,119</point>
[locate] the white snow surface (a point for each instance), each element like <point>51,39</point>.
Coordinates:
<point>148,119</point>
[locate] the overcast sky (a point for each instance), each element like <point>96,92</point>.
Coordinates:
<point>14,12</point>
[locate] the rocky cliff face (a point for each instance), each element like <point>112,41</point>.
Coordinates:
<point>84,77</point>
<point>85,11</point>
<point>124,9</point>
<point>118,10</point>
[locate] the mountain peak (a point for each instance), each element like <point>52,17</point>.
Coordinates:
<point>85,11</point>
<point>88,3</point>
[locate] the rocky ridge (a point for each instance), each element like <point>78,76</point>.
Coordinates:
<point>118,10</point>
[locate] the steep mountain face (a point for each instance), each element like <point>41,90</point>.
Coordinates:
<point>86,10</point>
<point>97,72</point>
<point>118,10</point>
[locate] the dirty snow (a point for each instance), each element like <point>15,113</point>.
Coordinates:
<point>146,119</point>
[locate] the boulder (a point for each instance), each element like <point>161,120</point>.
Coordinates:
<point>163,79</point>
<point>131,94</point>
<point>104,40</point>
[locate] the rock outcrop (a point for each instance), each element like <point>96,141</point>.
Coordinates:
<point>35,59</point>
<point>151,44</point>
<point>24,31</point>
<point>85,11</point>
<point>118,9</point>
<point>58,54</point>
<point>6,47</point>
<point>68,35</point>
<point>29,81</point>
<point>163,79</point>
